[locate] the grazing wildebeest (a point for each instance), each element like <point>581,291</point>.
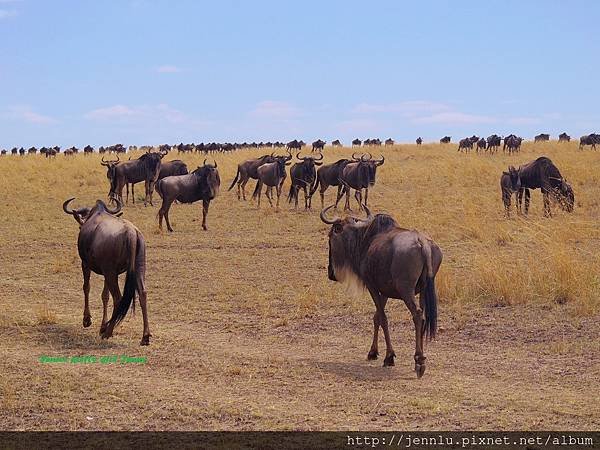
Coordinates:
<point>146,168</point>
<point>329,175</point>
<point>590,139</point>
<point>294,145</point>
<point>109,246</point>
<point>303,176</point>
<point>202,184</point>
<point>445,140</point>
<point>336,143</point>
<point>542,137</point>
<point>247,170</point>
<point>465,144</point>
<point>318,145</point>
<point>88,150</point>
<point>389,141</point>
<point>493,143</point>
<point>510,183</point>
<point>31,151</point>
<point>272,175</point>
<point>481,144</point>
<point>356,143</point>
<point>512,143</point>
<point>419,140</point>
<point>358,175</point>
<point>390,262</point>
<point>543,174</point>
<point>564,137</point>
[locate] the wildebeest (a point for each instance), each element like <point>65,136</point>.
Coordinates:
<point>88,150</point>
<point>336,143</point>
<point>493,143</point>
<point>294,145</point>
<point>564,137</point>
<point>109,246</point>
<point>419,140</point>
<point>202,184</point>
<point>389,141</point>
<point>510,183</point>
<point>466,144</point>
<point>445,140</point>
<point>167,169</point>
<point>303,176</point>
<point>318,145</point>
<point>590,139</point>
<point>272,175</point>
<point>542,137</point>
<point>329,175</point>
<point>247,170</point>
<point>358,175</point>
<point>481,144</point>
<point>390,262</point>
<point>356,143</point>
<point>512,143</point>
<point>146,168</point>
<point>543,174</point>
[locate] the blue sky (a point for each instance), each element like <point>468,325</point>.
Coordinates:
<point>149,72</point>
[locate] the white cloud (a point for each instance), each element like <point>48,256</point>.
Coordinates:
<point>275,110</point>
<point>148,114</point>
<point>110,112</point>
<point>26,114</point>
<point>6,13</point>
<point>454,118</point>
<point>168,69</point>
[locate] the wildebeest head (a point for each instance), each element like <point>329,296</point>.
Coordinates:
<point>82,214</point>
<point>515,178</point>
<point>310,161</point>
<point>209,179</point>
<point>110,167</point>
<point>347,239</point>
<point>564,195</point>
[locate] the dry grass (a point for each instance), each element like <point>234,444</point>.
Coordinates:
<point>250,334</point>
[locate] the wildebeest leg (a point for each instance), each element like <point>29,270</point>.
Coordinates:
<point>366,196</point>
<point>127,193</point>
<point>243,185</point>
<point>87,317</point>
<point>374,351</point>
<point>358,197</point>
<point>112,280</point>
<point>347,204</point>
<point>416,311</point>
<point>383,322</point>
<point>306,198</point>
<point>269,193</point>
<point>527,198</point>
<point>105,294</point>
<point>506,200</point>
<point>278,192</point>
<point>141,288</point>
<point>205,205</point>
<point>133,193</point>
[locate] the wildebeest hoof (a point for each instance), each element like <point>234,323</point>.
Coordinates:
<point>389,360</point>
<point>204,228</point>
<point>145,340</point>
<point>420,370</point>
<point>102,328</point>
<point>106,334</point>
<point>373,354</point>
<point>87,321</point>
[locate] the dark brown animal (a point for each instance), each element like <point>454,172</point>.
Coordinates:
<point>564,137</point>
<point>336,143</point>
<point>318,145</point>
<point>146,168</point>
<point>544,175</point>
<point>390,262</point>
<point>202,184</point>
<point>419,140</point>
<point>356,143</point>
<point>510,183</point>
<point>329,175</point>
<point>542,137</point>
<point>272,175</point>
<point>109,246</point>
<point>246,170</point>
<point>358,175</point>
<point>303,176</point>
<point>445,140</point>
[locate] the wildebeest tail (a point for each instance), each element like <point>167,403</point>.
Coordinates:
<point>129,290</point>
<point>235,179</point>
<point>429,293</point>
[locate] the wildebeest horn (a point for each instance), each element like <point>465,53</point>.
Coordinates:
<point>298,156</point>
<point>321,154</point>
<point>65,206</point>
<point>325,219</point>
<point>103,163</point>
<point>379,162</point>
<point>117,209</point>
<point>354,157</point>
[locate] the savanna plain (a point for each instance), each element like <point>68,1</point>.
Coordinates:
<point>249,334</point>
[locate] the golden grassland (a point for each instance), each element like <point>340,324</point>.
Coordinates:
<point>248,333</point>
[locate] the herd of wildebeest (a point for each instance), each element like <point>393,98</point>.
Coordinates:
<point>374,251</point>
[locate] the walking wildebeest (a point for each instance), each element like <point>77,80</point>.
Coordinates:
<point>389,141</point>
<point>272,175</point>
<point>146,168</point>
<point>358,175</point>
<point>510,183</point>
<point>543,174</point>
<point>336,143</point>
<point>109,246</point>
<point>512,143</point>
<point>542,137</point>
<point>590,139</point>
<point>247,170</point>
<point>318,145</point>
<point>564,137</point>
<point>465,144</point>
<point>356,143</point>
<point>294,145</point>
<point>445,140</point>
<point>493,143</point>
<point>303,176</point>
<point>481,144</point>
<point>202,184</point>
<point>419,140</point>
<point>329,175</point>
<point>388,261</point>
